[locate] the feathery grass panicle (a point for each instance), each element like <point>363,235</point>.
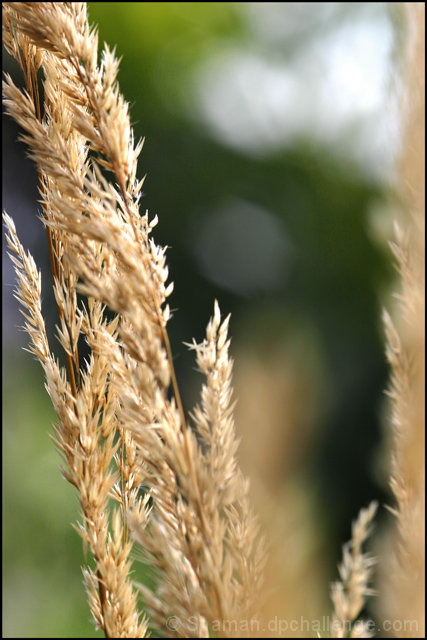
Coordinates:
<point>82,398</point>
<point>403,587</point>
<point>350,593</point>
<point>201,534</point>
<point>147,477</point>
<point>119,427</point>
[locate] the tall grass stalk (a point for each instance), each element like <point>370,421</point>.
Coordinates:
<point>149,477</point>
<point>142,469</point>
<point>403,586</point>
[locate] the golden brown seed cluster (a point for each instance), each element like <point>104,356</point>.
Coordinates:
<point>147,476</point>
<point>121,425</point>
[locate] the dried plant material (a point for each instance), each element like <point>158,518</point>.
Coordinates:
<point>201,537</point>
<point>150,480</point>
<point>350,593</point>
<point>122,432</point>
<point>403,585</point>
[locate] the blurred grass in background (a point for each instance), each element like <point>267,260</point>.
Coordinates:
<point>270,132</point>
